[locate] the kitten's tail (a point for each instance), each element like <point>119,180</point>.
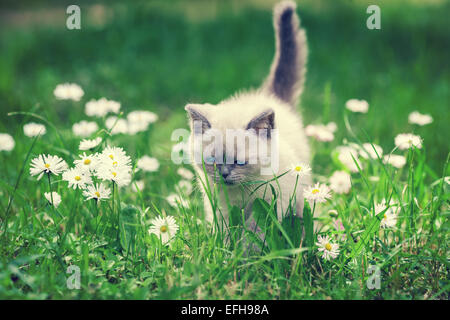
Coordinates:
<point>287,73</point>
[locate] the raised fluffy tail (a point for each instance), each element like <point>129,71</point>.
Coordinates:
<point>287,73</point>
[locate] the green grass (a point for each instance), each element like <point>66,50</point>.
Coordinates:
<point>154,57</point>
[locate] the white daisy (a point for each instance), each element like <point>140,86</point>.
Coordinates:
<point>329,250</point>
<point>47,164</point>
<point>317,193</point>
<point>114,157</point>
<point>86,144</point>
<point>97,192</point>
<point>346,156</point>
<point>139,120</point>
<point>101,107</point>
<point>300,169</point>
<point>120,175</point>
<point>419,119</point>
<point>389,219</point>
<point>184,187</point>
<point>68,91</point>
<point>77,178</point>
<point>174,200</point>
<point>56,198</point>
<point>33,129</point>
<point>340,182</point>
<point>6,142</point>
<point>368,151</point>
<point>164,228</point>
<point>84,128</point>
<point>185,173</point>
<point>139,183</point>
<point>356,105</point>
<point>116,125</point>
<point>321,132</point>
<point>87,162</point>
<point>148,164</point>
<point>407,140</point>
<point>395,160</point>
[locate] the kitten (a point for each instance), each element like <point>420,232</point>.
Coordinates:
<point>256,113</point>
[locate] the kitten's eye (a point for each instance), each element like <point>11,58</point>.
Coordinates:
<point>241,163</point>
<point>210,160</point>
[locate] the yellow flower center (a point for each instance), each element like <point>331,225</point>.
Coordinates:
<point>115,163</point>
<point>97,194</point>
<point>87,161</point>
<point>315,191</point>
<point>163,229</point>
<point>384,216</point>
<point>111,156</point>
<point>114,174</point>
<point>78,178</point>
<point>298,168</point>
<point>328,246</point>
<point>47,165</point>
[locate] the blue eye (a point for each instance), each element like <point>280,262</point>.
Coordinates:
<point>210,160</point>
<point>241,163</point>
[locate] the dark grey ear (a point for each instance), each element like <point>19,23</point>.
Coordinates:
<point>199,123</point>
<point>264,121</point>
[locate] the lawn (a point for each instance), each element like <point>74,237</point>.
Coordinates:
<point>156,56</point>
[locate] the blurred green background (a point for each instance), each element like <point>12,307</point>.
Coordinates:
<point>159,55</point>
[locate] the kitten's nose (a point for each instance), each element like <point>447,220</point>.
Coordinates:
<point>225,172</point>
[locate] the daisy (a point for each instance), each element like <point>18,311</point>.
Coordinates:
<point>347,156</point>
<point>317,193</point>
<point>389,219</point>
<point>101,107</point>
<point>116,125</point>
<point>185,173</point>
<point>56,198</point>
<point>77,178</point>
<point>368,151</point>
<point>321,132</point>
<point>47,164</point>
<point>68,91</point>
<point>329,250</point>
<point>407,140</point>
<point>419,119</point>
<point>148,164</point>
<point>87,163</point>
<point>97,192</point>
<point>164,228</point>
<point>120,175</point>
<point>140,185</point>
<point>114,153</point>
<point>356,105</point>
<point>139,120</point>
<point>6,142</point>
<point>174,200</point>
<point>395,160</point>
<point>184,187</point>
<point>84,128</point>
<point>86,144</point>
<point>340,182</point>
<point>300,169</point>
<point>114,157</point>
<point>33,129</point>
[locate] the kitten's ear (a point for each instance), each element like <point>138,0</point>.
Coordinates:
<point>199,123</point>
<point>264,121</point>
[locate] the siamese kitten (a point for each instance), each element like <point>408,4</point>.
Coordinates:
<point>268,115</point>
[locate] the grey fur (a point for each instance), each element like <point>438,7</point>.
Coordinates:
<point>287,73</point>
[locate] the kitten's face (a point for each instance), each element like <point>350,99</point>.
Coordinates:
<point>228,147</point>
